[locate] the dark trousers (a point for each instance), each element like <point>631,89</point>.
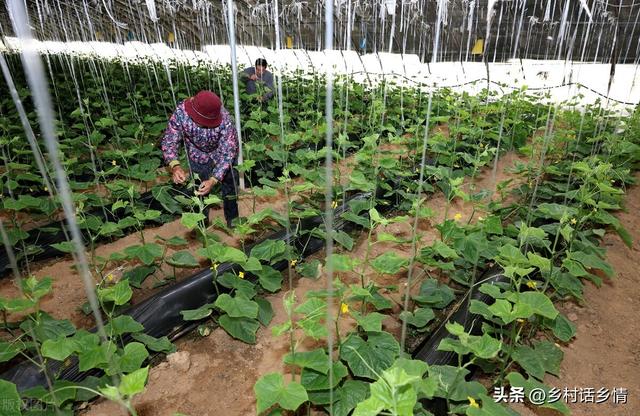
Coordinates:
<point>228,189</point>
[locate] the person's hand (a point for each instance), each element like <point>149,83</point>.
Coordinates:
<point>205,187</point>
<point>178,175</point>
<point>253,77</point>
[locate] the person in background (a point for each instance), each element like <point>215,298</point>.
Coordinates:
<point>207,131</point>
<point>258,75</point>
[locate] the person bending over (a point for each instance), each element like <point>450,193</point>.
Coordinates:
<point>206,130</point>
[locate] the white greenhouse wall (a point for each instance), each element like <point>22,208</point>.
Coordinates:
<point>590,80</point>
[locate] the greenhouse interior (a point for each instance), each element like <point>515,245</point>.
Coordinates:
<point>349,207</point>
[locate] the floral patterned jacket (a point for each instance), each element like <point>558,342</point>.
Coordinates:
<point>217,146</point>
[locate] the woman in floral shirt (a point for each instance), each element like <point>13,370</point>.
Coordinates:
<point>207,131</point>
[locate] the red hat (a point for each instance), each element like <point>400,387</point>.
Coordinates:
<point>204,109</point>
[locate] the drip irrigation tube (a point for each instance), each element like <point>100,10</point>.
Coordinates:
<point>160,315</point>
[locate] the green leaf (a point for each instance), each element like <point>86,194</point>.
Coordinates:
<point>162,195</point>
<point>175,241</point>
<point>138,275</point>
<point>394,392</point>
<point>551,356</point>
<point>485,346</point>
<point>511,255</point>
<point>270,390</point>
<point>517,380</point>
<point>36,288</point>
<point>434,294</point>
<point>146,253</point>
<point>389,263</point>
<point>243,329</point>
<point>8,350</point>
<point>555,211</point>
<point>133,383</point>
<point>366,358</point>
<point>252,265</point>
<point>232,281</point>
<point>527,358</point>
<point>197,314</point>
<point>508,312</point>
<point>591,261</point>
<point>183,259</point>
<point>132,357</point>
<point>309,269</point>
<point>493,225</point>
<point>563,328</point>
<point>419,318</point>
<point>313,380</point>
<point>59,349</point>
<point>237,307</point>
<point>348,396</point>
<point>265,311</point>
<point>97,356</point>
<point>11,402</point>
<point>538,302</point>
<point>268,249</point>
<point>357,219</point>
<point>542,263</point>
<point>119,294</point>
<point>493,291</point>
<point>155,344</point>
<point>191,219</point>
<point>342,263</point>
<point>123,324</point>
<point>270,278</point>
<point>219,253</point>
<point>370,322</point>
<point>49,328</point>
<point>109,228</point>
<point>90,382</point>
<point>264,191</point>
<point>444,250</point>
<point>65,246</point>
<point>471,246</point>
<point>343,239</point>
<point>317,360</point>
<point>452,383</point>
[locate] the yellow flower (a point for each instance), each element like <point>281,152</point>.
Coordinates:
<point>46,189</point>
<point>241,275</point>
<point>294,262</point>
<point>110,277</point>
<point>334,204</point>
<point>214,267</point>
<point>480,218</point>
<point>481,145</point>
<point>531,284</point>
<point>472,402</point>
<point>574,221</point>
<point>114,163</point>
<point>520,320</point>
<point>344,308</point>
<point>457,217</point>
